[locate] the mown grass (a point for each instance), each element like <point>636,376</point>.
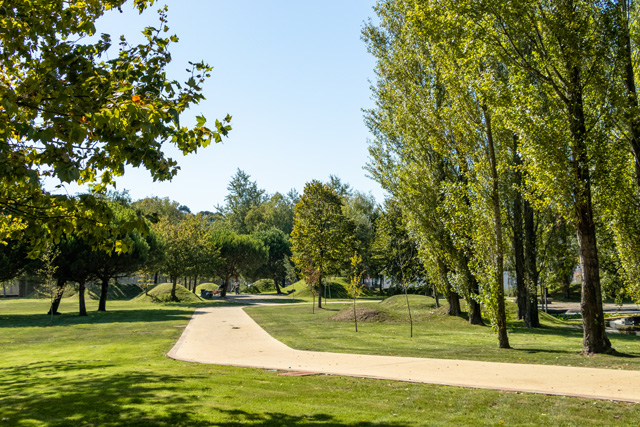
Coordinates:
<point>110,369</point>
<point>436,335</point>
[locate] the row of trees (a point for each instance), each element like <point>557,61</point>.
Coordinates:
<point>499,128</point>
<point>174,242</point>
<point>208,245</point>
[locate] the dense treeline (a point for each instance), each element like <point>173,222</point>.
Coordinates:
<point>246,239</point>
<point>499,128</point>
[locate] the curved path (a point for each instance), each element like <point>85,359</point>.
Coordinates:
<point>228,336</point>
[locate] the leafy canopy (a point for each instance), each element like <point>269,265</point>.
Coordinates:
<point>70,113</point>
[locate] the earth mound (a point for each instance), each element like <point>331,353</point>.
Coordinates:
<point>363,314</point>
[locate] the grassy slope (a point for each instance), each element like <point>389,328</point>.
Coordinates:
<point>438,336</point>
<point>206,287</point>
<point>339,286</point>
<point>162,293</point>
<point>115,291</point>
<point>110,369</point>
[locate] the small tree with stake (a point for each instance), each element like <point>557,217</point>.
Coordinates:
<point>397,251</point>
<point>311,276</point>
<point>355,283</point>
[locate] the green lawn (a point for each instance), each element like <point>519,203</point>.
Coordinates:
<point>110,369</point>
<point>438,336</point>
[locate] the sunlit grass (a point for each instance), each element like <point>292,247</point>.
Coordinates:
<point>110,369</point>
<point>436,335</point>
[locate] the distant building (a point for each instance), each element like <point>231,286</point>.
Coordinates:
<point>577,274</point>
<point>374,283</point>
<point>510,284</point>
<point>18,288</point>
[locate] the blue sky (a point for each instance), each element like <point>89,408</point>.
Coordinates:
<point>293,74</point>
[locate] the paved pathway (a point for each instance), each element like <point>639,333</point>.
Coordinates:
<point>228,336</point>
<point>574,308</point>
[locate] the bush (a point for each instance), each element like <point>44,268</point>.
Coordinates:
<point>258,287</point>
<point>265,285</point>
<point>249,288</point>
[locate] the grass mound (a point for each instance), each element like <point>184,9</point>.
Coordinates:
<point>336,287</point>
<point>363,314</point>
<point>116,292</point>
<point>162,293</point>
<point>206,287</point>
<point>422,308</point>
<point>42,292</point>
<point>265,285</point>
<point>417,302</point>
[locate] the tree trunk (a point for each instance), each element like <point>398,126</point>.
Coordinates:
<point>454,302</point>
<point>57,297</point>
<point>225,284</point>
<point>194,284</point>
<point>355,315</point>
<point>155,279</point>
<point>102,305</point>
<point>173,288</point>
<point>595,338</point>
<point>501,317</point>
<point>475,311</point>
<point>435,295</point>
<point>518,240</point>
<point>275,282</point>
<point>452,297</point>
<point>406,296</point>
<point>82,308</point>
<point>532,320</point>
<point>320,291</point>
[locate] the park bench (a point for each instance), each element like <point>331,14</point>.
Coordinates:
<point>209,294</point>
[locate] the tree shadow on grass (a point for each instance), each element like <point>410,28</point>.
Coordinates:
<point>279,419</point>
<point>570,333</point>
<point>95,317</point>
<point>613,353</point>
<point>91,393</point>
<point>90,396</point>
<point>564,331</point>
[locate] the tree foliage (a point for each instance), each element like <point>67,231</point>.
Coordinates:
<point>322,237</point>
<point>239,255</point>
<point>71,114</point>
<point>279,249</point>
<point>471,92</point>
<point>244,195</point>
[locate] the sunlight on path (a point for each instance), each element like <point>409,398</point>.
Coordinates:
<point>228,336</point>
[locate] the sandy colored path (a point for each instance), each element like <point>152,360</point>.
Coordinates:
<point>228,336</point>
